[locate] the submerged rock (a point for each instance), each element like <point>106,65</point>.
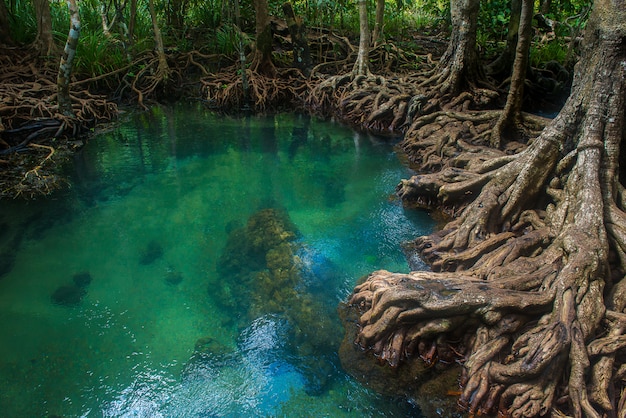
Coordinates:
<point>173,277</point>
<point>68,295</point>
<point>82,279</point>
<point>261,273</point>
<point>151,253</point>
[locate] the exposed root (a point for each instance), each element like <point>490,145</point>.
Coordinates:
<point>529,277</point>
<point>224,90</point>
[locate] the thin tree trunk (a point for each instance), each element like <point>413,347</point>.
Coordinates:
<point>163,69</point>
<point>379,22</point>
<point>545,6</point>
<point>131,24</point>
<point>504,62</point>
<point>105,20</point>
<point>361,66</point>
<point>297,30</point>
<point>510,121</point>
<point>67,59</point>
<point>44,43</point>
<point>242,57</point>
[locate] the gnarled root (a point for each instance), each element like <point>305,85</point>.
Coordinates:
<point>519,277</point>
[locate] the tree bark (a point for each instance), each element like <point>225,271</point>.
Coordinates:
<point>361,66</point>
<point>297,30</point>
<point>5,29</point>
<point>379,22</point>
<point>163,69</point>
<point>44,43</point>
<point>262,61</point>
<point>176,10</point>
<point>458,67</point>
<point>504,62</point>
<point>510,124</point>
<point>242,58</point>
<point>67,59</point>
<point>528,282</point>
<point>132,20</point>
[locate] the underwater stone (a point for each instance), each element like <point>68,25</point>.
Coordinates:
<point>173,277</point>
<point>68,295</point>
<point>82,279</point>
<point>151,253</point>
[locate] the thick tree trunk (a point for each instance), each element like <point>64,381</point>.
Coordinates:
<point>163,69</point>
<point>5,32</point>
<point>262,61</point>
<point>509,125</point>
<point>297,30</point>
<point>361,66</point>
<point>521,276</point>
<point>44,43</point>
<point>377,36</point>
<point>458,67</point>
<point>67,59</point>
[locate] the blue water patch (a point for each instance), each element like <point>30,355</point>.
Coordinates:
<point>149,213</point>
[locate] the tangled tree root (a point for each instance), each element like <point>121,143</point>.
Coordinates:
<point>389,105</point>
<point>528,281</point>
<point>29,118</point>
<point>225,90</point>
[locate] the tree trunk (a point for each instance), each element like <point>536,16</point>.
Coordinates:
<point>528,283</point>
<point>509,125</point>
<point>262,61</point>
<point>163,69</point>
<point>242,58</point>
<point>131,24</point>
<point>105,20</point>
<point>67,59</point>
<point>297,30</point>
<point>378,24</point>
<point>176,14</point>
<point>504,62</point>
<point>459,66</point>
<point>44,43</point>
<point>361,66</point>
<point>545,6</point>
<point>5,30</point>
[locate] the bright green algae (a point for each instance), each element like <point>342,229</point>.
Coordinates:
<point>175,317</point>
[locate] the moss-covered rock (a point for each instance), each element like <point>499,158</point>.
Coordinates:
<point>68,295</point>
<point>261,273</point>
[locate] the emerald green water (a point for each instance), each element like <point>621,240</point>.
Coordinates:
<point>177,181</point>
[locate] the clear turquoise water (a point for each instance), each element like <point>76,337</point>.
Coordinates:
<point>179,178</point>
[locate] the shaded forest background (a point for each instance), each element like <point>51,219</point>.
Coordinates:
<point>140,52</point>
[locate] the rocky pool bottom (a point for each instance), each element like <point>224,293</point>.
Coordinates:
<point>194,269</point>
